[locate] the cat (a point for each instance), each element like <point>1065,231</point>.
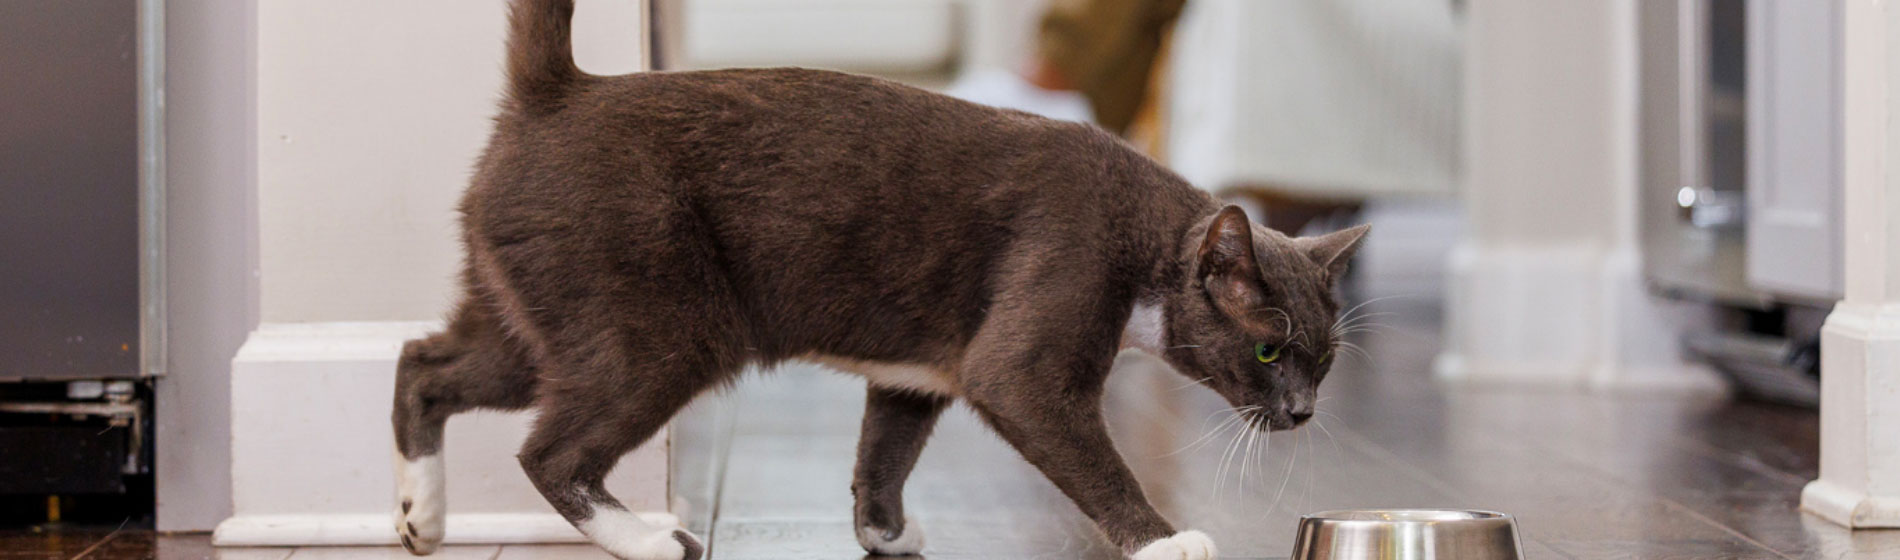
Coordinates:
<point>633,241</point>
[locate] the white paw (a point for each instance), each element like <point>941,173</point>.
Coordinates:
<point>1185,545</point>
<point>628,537</point>
<point>910,541</point>
<point>421,511</point>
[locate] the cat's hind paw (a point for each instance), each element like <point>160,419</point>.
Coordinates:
<point>421,516</point>
<point>886,542</point>
<point>1185,545</point>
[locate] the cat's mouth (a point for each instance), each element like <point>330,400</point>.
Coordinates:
<point>1279,422</point>
<point>1271,420</point>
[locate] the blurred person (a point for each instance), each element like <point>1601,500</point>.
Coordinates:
<point>1299,110</point>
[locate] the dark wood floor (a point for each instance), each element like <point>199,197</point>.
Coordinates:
<point>766,469</point>
<point>1588,476</point>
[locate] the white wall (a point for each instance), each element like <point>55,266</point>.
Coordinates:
<point>369,117</point>
<point>1547,287</point>
<point>1859,486</point>
<point>211,251</point>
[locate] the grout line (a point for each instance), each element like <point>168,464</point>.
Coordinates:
<point>1615,479</point>
<point>102,542</point>
<point>1368,446</point>
<point>1739,459</point>
<point>1725,528</point>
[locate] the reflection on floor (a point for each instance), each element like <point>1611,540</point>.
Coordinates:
<point>1589,476</point>
<point>765,472</point>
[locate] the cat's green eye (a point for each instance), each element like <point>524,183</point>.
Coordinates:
<point>1266,353</point>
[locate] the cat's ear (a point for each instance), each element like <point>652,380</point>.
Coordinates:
<point>1229,268</point>
<point>1334,250</point>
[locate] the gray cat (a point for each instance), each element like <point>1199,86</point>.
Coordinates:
<point>635,240</point>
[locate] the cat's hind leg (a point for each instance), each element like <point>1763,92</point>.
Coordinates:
<point>896,425</point>
<point>599,403</point>
<point>471,364</point>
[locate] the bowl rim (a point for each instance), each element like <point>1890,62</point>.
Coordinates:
<point>1408,516</point>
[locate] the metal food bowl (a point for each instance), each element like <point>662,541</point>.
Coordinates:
<point>1407,534</point>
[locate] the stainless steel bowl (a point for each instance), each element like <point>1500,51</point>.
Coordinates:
<point>1410,534</point>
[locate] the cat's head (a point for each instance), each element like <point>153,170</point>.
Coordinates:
<point>1254,320</point>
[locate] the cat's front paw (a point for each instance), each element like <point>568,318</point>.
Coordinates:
<point>420,526</point>
<point>1185,545</point>
<point>887,542</point>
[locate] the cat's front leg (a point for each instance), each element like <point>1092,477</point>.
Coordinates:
<point>896,424</point>
<point>1063,435</point>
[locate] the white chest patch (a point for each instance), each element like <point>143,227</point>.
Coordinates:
<point>1146,329</point>
<point>911,377</point>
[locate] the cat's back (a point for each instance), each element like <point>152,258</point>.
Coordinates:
<point>737,121</point>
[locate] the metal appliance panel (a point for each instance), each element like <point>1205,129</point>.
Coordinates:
<point>70,189</point>
<point>1692,127</point>
<point>1794,148</point>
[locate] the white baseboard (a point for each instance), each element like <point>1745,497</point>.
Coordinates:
<point>1859,485</point>
<point>372,529</point>
<point>311,448</point>
<point>1850,508</point>
<point>1554,316</point>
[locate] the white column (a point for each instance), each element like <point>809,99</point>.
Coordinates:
<point>369,116</point>
<point>1547,288</point>
<point>1860,345</point>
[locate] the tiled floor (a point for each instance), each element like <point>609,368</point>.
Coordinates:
<point>767,469</point>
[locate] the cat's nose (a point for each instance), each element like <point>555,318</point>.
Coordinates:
<point>1300,416</point>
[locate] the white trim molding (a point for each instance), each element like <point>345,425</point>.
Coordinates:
<point>374,529</point>
<point>1547,288</point>
<point>310,449</point>
<point>1859,485</point>
<point>1562,316</point>
<point>1860,432</point>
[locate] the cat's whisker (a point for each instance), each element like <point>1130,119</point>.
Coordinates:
<point>1356,328</point>
<point>1246,460</point>
<point>1210,415</point>
<point>1207,437</point>
<point>1362,304</point>
<point>1307,439</point>
<point>1191,383</point>
<point>1363,317</point>
<point>1370,319</point>
<point>1284,478</point>
<point>1373,329</point>
<point>1321,424</point>
<point>1363,355</point>
<point>1347,319</point>
<point>1227,454</point>
<point>1246,446</point>
<point>1356,323</point>
<point>1362,324</point>
<point>1360,351</point>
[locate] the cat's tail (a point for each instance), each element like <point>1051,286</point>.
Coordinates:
<point>541,66</point>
